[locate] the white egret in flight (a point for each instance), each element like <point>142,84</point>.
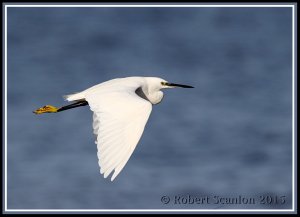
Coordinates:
<point>121,109</point>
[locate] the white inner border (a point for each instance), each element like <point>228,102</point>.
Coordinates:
<point>153,210</point>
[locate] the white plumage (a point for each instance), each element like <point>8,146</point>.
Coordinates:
<point>121,108</point>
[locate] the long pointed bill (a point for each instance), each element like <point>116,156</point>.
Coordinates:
<point>178,85</point>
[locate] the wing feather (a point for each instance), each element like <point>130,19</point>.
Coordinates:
<point>119,120</point>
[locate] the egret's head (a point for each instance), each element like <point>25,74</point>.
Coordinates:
<point>151,89</point>
<point>159,83</point>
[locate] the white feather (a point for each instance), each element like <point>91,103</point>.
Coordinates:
<point>121,109</point>
<point>118,121</point>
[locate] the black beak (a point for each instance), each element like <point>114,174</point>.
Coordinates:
<point>178,85</point>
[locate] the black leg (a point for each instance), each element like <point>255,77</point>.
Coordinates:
<point>74,105</point>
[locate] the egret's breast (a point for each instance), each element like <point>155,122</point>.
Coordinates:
<point>155,97</point>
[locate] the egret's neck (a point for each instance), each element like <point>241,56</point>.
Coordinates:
<point>156,97</point>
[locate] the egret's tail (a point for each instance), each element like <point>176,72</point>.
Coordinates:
<point>74,97</point>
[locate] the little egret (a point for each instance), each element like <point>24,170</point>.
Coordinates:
<point>121,108</point>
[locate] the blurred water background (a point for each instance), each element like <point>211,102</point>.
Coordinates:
<point>231,135</point>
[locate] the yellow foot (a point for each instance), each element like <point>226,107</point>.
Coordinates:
<point>46,109</point>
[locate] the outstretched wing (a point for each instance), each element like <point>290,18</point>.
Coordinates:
<point>119,120</point>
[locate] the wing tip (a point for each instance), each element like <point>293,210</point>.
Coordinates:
<point>105,174</point>
<point>112,178</point>
<point>116,173</point>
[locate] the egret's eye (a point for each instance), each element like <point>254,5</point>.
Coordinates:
<point>163,83</point>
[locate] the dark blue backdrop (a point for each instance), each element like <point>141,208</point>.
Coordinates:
<point>230,136</point>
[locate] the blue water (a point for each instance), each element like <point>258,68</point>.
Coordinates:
<point>230,136</point>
